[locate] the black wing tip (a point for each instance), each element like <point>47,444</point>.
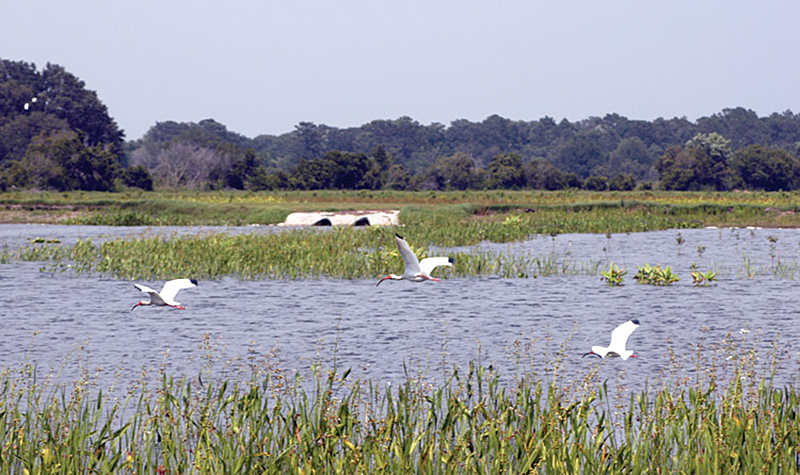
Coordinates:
<point>450,260</point>
<point>194,281</point>
<point>398,236</point>
<point>635,321</point>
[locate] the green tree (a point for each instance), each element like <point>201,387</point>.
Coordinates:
<point>543,175</point>
<point>62,162</point>
<point>676,169</point>
<point>622,182</point>
<point>505,172</point>
<point>348,169</point>
<point>311,175</point>
<point>763,168</point>
<point>241,169</point>
<point>262,179</point>
<point>633,157</point>
<point>595,183</point>
<point>66,97</point>
<point>456,172</point>
<point>336,170</point>
<point>581,155</point>
<point>137,177</point>
<point>711,153</point>
<point>398,178</point>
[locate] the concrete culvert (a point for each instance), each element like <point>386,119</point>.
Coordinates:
<point>362,221</point>
<point>323,222</point>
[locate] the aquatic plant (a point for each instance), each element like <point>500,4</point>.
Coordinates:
<point>702,279</point>
<point>269,423</point>
<point>655,275</point>
<point>614,275</point>
<point>345,253</point>
<point>680,241</point>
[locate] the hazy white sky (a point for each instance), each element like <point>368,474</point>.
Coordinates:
<point>261,67</point>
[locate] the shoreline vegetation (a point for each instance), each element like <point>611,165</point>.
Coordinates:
<point>724,417</point>
<point>239,208</point>
<point>438,219</point>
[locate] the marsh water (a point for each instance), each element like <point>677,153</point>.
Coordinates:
<point>67,324</point>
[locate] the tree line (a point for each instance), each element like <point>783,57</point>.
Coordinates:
<point>56,134</point>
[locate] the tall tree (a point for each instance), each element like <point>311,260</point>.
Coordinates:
<point>763,168</point>
<point>711,152</point>
<point>66,97</point>
<point>456,172</point>
<point>581,155</point>
<point>505,172</point>
<point>50,104</point>
<point>632,157</point>
<point>62,161</point>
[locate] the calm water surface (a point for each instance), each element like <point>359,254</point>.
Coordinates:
<point>516,325</point>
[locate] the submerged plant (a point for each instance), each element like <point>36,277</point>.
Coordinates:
<point>680,241</point>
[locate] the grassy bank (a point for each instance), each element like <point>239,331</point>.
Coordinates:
<point>469,424</point>
<point>661,209</point>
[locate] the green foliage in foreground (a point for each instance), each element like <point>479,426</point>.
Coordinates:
<point>469,424</point>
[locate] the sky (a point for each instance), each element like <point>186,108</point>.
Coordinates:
<point>262,66</point>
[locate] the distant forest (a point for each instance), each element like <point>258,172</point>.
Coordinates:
<point>56,134</point>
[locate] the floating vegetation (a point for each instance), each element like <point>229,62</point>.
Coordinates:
<point>702,279</point>
<point>41,240</point>
<point>614,275</point>
<point>655,275</point>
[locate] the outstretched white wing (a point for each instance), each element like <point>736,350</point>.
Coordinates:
<point>409,258</point>
<point>428,264</point>
<point>619,337</point>
<point>154,297</point>
<point>172,287</point>
<point>145,289</point>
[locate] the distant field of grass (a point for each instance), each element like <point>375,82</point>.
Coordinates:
<point>653,209</point>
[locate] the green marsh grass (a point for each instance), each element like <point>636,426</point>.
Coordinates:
<point>345,253</point>
<point>611,211</point>
<point>724,419</point>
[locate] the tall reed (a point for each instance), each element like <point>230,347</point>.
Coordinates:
<point>346,253</point>
<point>470,423</point>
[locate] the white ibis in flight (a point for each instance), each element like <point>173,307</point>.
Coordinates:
<point>416,270</point>
<point>619,336</point>
<point>166,297</point>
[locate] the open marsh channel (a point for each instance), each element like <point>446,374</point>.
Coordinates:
<point>68,324</point>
